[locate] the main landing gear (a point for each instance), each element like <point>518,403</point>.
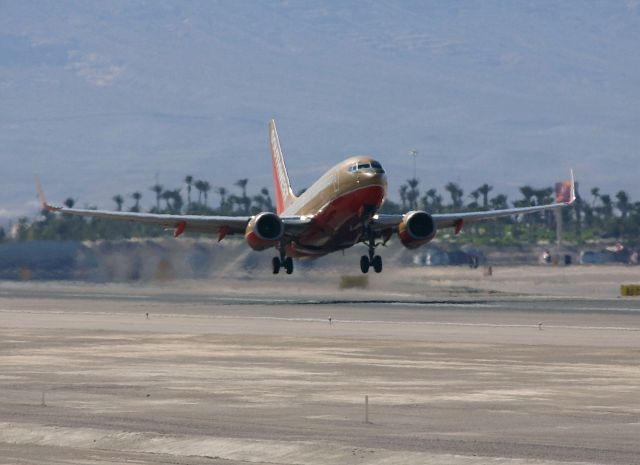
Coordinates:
<point>371,260</point>
<point>282,262</point>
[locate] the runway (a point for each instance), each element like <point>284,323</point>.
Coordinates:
<point>241,374</point>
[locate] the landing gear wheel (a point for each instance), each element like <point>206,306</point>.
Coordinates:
<point>377,263</point>
<point>288,265</point>
<point>364,263</point>
<point>276,265</point>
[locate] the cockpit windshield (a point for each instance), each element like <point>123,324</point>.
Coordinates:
<point>360,166</point>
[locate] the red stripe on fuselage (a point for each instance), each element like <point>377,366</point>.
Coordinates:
<point>276,185</point>
<point>338,225</point>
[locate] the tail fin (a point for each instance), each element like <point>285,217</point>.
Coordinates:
<point>284,194</point>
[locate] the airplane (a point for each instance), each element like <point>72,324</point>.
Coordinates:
<point>338,211</point>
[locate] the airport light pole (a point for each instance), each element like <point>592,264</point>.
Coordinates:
<point>414,153</point>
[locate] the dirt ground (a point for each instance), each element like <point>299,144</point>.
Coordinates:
<point>531,365</point>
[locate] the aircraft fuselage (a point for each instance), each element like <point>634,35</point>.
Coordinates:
<point>340,202</point>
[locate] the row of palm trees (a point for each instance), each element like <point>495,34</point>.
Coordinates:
<point>603,214</point>
<point>172,200</point>
<point>432,201</point>
<point>609,214</point>
<point>600,215</point>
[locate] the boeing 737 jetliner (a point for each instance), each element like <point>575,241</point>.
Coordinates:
<point>338,211</point>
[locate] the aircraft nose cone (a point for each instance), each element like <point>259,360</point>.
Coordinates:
<point>382,178</point>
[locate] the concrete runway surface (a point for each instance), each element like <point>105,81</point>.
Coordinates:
<point>237,372</point>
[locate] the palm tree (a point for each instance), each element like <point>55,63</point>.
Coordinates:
<point>231,203</point>
<point>475,195</point>
<point>528,194</point>
<point>258,202</point>
<point>119,201</point>
<point>167,196</point>
<point>595,192</point>
<point>607,206</point>
<point>222,192</point>
<point>244,200</point>
<point>484,191</point>
<point>623,204</point>
<point>157,189</point>
<point>426,200</point>
<point>403,196</point>
<point>456,194</point>
<point>435,200</point>
<point>413,193</point>
<point>206,187</point>
<point>198,185</point>
<point>177,201</point>
<point>136,196</point>
<point>267,199</point>
<point>189,182</point>
<point>543,196</point>
<point>499,202</point>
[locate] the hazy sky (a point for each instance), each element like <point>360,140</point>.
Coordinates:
<point>98,97</point>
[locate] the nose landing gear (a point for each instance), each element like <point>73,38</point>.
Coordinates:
<point>371,260</point>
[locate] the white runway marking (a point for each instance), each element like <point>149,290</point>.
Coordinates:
<point>334,321</point>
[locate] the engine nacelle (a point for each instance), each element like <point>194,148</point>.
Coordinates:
<point>416,229</point>
<point>264,230</point>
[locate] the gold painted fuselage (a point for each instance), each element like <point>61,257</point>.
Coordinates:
<point>339,202</point>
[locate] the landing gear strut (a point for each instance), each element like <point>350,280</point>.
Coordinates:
<point>371,260</point>
<point>282,261</point>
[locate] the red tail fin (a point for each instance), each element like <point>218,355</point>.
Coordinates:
<point>284,194</point>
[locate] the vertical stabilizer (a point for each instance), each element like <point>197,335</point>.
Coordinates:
<point>284,194</point>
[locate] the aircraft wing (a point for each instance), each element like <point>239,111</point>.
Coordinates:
<point>383,222</point>
<point>221,225</point>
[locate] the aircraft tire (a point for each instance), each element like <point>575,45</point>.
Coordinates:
<point>377,263</point>
<point>276,265</point>
<point>288,265</point>
<point>364,264</point>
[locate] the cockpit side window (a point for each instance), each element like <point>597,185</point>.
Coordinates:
<point>363,166</point>
<point>377,166</point>
<point>352,168</point>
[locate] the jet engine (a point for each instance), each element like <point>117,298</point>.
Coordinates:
<point>264,230</point>
<point>416,229</point>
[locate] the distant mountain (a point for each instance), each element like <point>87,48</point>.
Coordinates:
<point>98,97</point>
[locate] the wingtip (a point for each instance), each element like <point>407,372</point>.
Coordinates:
<point>42,198</point>
<point>573,189</point>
